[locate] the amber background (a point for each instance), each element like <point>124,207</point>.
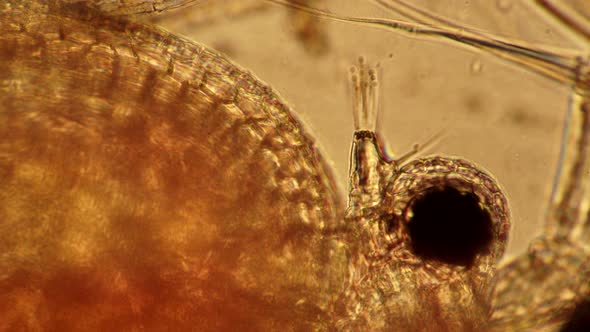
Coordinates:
<point>499,115</point>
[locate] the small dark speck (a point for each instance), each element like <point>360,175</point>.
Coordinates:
<point>520,117</point>
<point>225,47</point>
<point>6,172</point>
<point>61,33</point>
<point>474,104</point>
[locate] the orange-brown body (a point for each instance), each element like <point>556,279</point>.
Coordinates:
<point>149,183</point>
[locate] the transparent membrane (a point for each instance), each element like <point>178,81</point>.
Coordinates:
<point>495,113</point>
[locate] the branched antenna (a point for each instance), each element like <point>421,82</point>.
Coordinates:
<point>365,86</point>
<point>556,64</point>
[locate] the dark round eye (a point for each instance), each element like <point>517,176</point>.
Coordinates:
<point>580,319</point>
<point>449,226</point>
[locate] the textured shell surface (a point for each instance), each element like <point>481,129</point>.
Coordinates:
<point>148,181</point>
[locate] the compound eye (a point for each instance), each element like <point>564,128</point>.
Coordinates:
<point>579,319</point>
<point>449,211</point>
<point>449,225</point>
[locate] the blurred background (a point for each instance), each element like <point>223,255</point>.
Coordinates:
<point>497,114</point>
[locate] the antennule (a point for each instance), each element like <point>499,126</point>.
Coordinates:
<point>365,86</point>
